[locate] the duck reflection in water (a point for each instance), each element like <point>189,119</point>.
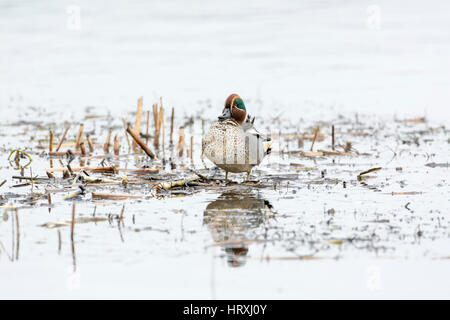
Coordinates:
<point>233,219</point>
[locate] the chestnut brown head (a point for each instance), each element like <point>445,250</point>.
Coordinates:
<point>234,108</point>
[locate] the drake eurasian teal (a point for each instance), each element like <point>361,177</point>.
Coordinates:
<point>232,143</point>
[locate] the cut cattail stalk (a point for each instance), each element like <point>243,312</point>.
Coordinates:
<point>50,147</point>
<point>332,137</point>
<point>137,123</point>
<point>90,144</point>
<point>116,145</point>
<point>180,145</point>
<point>83,149</point>
<point>155,118</point>
<point>62,138</point>
<point>80,134</point>
<point>316,131</point>
<point>171,126</point>
<point>141,143</point>
<point>106,145</point>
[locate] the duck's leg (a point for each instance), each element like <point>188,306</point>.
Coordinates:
<point>226,175</point>
<point>248,175</point>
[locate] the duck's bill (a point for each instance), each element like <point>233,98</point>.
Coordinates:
<point>225,115</point>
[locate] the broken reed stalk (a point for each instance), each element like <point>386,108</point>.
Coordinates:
<point>158,120</point>
<point>80,133</point>
<point>137,123</point>
<point>180,145</point>
<point>90,144</point>
<point>367,171</point>
<point>62,138</point>
<point>83,149</point>
<point>72,225</point>
<point>148,125</point>
<point>171,126</point>
<point>316,131</point>
<point>107,143</point>
<point>114,196</point>
<point>141,143</point>
<point>116,145</point>
<point>2,183</point>
<point>50,146</point>
<point>332,137</point>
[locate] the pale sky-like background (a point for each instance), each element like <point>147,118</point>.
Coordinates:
<point>380,57</point>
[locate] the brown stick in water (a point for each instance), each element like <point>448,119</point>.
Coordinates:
<point>50,147</point>
<point>171,126</point>
<point>137,123</point>
<point>106,145</point>
<point>62,138</point>
<point>141,143</point>
<point>90,144</point>
<point>116,145</point>
<point>80,133</point>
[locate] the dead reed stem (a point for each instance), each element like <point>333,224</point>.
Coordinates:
<point>62,138</point>
<point>90,144</point>
<point>50,147</point>
<point>137,123</point>
<point>116,145</point>
<point>141,143</point>
<point>171,126</point>
<point>114,196</point>
<point>83,149</point>
<point>180,145</point>
<point>80,134</point>
<point>107,143</point>
<point>316,131</point>
<point>332,137</point>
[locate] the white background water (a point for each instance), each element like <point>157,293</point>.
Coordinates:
<point>383,57</point>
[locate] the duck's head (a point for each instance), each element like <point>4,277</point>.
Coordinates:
<point>234,108</point>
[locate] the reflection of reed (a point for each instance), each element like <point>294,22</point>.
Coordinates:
<point>231,218</point>
<point>15,235</point>
<point>72,231</point>
<point>16,214</point>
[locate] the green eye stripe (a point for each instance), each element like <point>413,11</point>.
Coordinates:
<point>240,104</point>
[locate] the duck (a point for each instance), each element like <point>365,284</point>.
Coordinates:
<point>232,142</point>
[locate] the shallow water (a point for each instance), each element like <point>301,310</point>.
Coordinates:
<point>295,231</point>
<point>291,230</point>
